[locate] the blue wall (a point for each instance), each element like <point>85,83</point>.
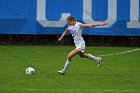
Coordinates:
<point>44,16</point>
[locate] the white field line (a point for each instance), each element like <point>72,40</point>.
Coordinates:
<point>111,90</point>
<point>72,90</point>
<point>120,53</point>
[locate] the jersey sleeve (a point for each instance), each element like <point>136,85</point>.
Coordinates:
<point>79,23</point>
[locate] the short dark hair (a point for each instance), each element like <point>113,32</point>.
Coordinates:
<point>71,18</point>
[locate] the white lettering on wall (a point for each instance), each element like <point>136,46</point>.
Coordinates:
<point>112,12</point>
<point>134,14</point>
<point>41,13</point>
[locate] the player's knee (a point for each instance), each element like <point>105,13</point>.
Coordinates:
<point>69,56</point>
<point>82,56</point>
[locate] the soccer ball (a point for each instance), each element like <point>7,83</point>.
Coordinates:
<point>30,71</point>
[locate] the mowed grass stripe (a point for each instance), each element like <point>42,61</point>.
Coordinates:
<point>119,73</point>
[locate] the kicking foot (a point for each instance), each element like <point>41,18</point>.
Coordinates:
<point>99,62</point>
<point>61,72</point>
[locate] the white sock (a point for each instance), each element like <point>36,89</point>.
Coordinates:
<point>67,64</point>
<point>92,57</point>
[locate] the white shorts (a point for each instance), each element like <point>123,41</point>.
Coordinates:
<point>81,48</point>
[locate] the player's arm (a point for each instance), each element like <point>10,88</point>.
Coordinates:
<point>92,25</point>
<point>63,35</point>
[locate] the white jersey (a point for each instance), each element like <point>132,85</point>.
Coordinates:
<point>76,32</point>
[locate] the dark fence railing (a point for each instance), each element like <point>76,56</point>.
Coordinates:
<point>122,41</point>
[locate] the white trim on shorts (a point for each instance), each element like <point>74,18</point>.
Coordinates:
<point>81,49</point>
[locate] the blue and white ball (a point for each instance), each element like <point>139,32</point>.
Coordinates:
<point>30,71</point>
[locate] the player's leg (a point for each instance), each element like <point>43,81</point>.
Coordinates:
<point>89,56</point>
<point>69,58</point>
<point>68,61</point>
<point>84,55</point>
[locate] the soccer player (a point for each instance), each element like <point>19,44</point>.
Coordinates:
<point>75,28</point>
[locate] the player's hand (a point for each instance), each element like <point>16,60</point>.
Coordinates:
<point>104,24</point>
<point>59,39</point>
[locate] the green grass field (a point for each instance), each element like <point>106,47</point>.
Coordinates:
<point>120,72</point>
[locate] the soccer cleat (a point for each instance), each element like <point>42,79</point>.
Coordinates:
<point>61,72</point>
<point>99,62</point>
